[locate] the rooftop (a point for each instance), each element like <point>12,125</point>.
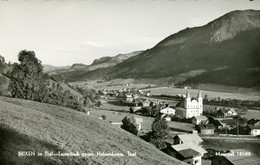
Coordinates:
<point>239,159</point>
<point>188,153</point>
<point>200,117</point>
<point>190,145</point>
<point>187,138</point>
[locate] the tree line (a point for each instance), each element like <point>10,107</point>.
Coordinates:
<point>27,81</point>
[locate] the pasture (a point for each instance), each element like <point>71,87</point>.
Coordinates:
<point>241,95</point>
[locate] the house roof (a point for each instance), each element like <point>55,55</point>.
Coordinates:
<point>239,159</point>
<point>190,145</point>
<point>187,138</point>
<point>188,153</point>
<point>204,126</point>
<point>253,127</point>
<point>167,110</point>
<point>200,117</point>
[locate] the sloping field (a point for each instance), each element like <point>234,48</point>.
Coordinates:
<point>38,127</point>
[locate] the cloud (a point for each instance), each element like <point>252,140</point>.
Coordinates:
<point>98,44</point>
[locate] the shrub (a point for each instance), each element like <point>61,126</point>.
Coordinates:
<point>129,125</point>
<point>160,131</point>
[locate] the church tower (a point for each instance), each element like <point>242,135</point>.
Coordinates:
<point>187,100</point>
<point>200,102</point>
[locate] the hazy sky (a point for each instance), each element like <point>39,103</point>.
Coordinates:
<point>63,32</point>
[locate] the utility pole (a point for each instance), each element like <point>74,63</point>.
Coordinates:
<point>237,129</point>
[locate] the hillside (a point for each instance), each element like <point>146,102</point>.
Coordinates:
<point>226,49</point>
<point>105,62</point>
<point>33,126</point>
<point>50,68</point>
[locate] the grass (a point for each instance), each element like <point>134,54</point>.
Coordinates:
<point>242,95</point>
<point>27,125</point>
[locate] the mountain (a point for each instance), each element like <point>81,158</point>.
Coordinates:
<point>81,71</point>
<point>38,127</point>
<point>225,51</point>
<point>105,62</point>
<point>51,68</point>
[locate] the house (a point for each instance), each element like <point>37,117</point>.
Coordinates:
<point>255,122</point>
<point>129,98</point>
<point>189,107</point>
<point>134,109</point>
<point>187,138</point>
<point>222,113</point>
<point>253,130</point>
<point>168,111</point>
<point>236,157</point>
<point>145,103</point>
<point>231,112</point>
<point>189,156</point>
<point>188,152</point>
<point>138,122</point>
<point>199,120</point>
<point>207,129</point>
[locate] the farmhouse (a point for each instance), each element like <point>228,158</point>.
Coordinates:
<point>138,122</point>
<point>205,129</point>
<point>254,130</point>
<point>187,138</point>
<point>129,98</point>
<point>199,120</point>
<point>168,111</point>
<point>189,156</point>
<point>189,107</point>
<point>236,157</point>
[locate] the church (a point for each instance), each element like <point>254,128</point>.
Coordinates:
<point>189,107</point>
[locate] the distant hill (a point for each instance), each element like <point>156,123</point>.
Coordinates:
<point>105,62</point>
<point>50,68</point>
<point>227,49</point>
<point>32,126</point>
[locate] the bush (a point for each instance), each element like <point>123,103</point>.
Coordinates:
<point>104,117</point>
<point>160,131</point>
<point>129,125</point>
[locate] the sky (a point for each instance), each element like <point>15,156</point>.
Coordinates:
<point>64,32</point>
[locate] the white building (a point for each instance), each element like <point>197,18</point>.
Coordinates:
<point>189,107</point>
<point>254,130</point>
<point>168,111</point>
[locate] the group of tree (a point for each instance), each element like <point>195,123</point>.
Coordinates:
<point>158,135</point>
<point>129,124</point>
<point>160,132</point>
<point>27,81</point>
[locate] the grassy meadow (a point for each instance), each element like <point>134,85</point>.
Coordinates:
<point>32,126</point>
<point>241,95</point>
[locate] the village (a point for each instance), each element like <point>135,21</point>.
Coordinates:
<point>189,122</point>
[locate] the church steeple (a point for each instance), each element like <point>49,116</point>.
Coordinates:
<point>187,94</point>
<point>199,94</point>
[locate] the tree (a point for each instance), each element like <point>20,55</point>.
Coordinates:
<point>160,131</point>
<point>129,125</point>
<point>27,78</point>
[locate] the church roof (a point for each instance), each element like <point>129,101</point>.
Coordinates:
<point>180,104</point>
